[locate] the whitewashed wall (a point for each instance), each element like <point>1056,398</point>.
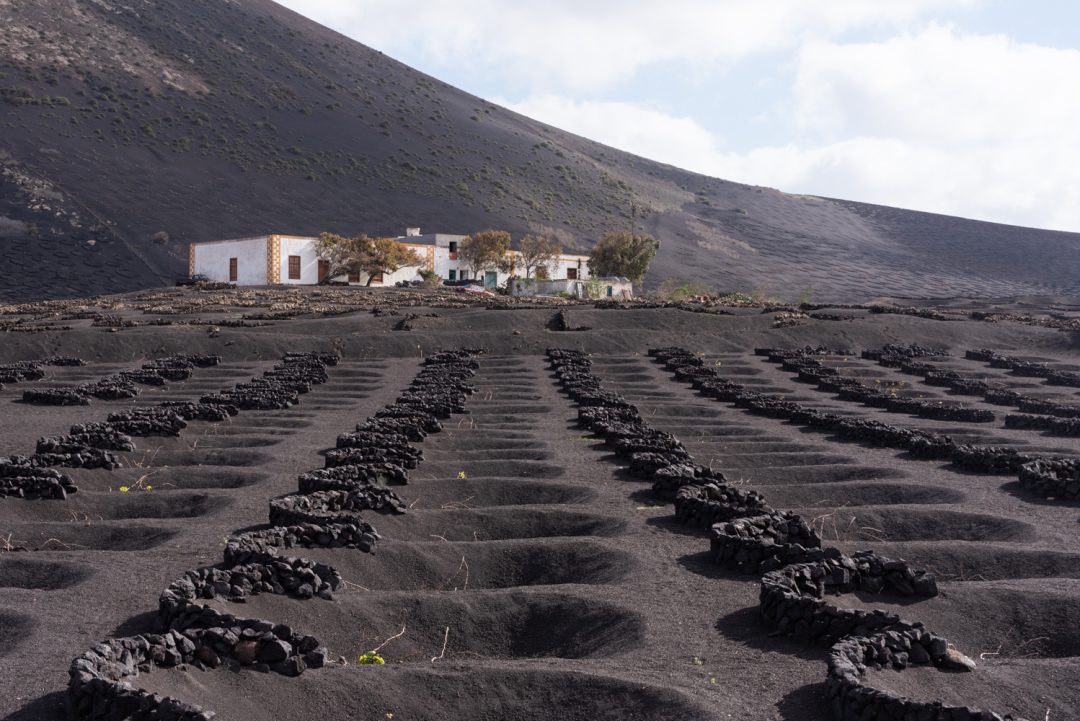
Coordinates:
<point>212,260</point>
<point>443,263</point>
<point>309,260</point>
<point>565,262</point>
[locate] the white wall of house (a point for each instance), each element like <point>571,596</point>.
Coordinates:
<point>594,289</point>
<point>578,263</point>
<point>437,250</point>
<point>450,267</point>
<point>304,248</point>
<point>212,260</point>
<point>410,273</point>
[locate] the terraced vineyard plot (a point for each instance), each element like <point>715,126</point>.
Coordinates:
<point>1050,472</point>
<point>486,595</point>
<point>543,557</point>
<point>969,606</point>
<point>116,549</point>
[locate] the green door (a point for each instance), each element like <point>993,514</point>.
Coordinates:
<point>491,280</point>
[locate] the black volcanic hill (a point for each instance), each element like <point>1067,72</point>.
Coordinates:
<point>209,119</point>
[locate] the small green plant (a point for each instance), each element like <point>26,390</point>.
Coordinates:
<point>806,296</point>
<point>372,657</point>
<point>676,289</point>
<point>431,278</point>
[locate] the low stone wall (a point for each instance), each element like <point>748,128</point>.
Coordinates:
<point>352,476</point>
<point>799,572</point>
<point>19,478</point>
<point>923,444</point>
<point>333,506</point>
<point>1056,478</point>
<point>793,598</point>
<point>119,385</point>
<point>202,636</point>
<point>811,370</point>
<point>764,543</point>
<point>706,505</point>
<point>95,445</point>
<point>1067,427</point>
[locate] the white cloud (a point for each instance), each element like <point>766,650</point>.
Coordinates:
<point>978,126</point>
<point>649,132</point>
<point>561,45</point>
<point>939,86</point>
<point>975,125</point>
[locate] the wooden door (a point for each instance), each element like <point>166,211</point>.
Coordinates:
<point>233,270</point>
<point>324,270</point>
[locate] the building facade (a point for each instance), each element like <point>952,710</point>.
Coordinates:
<point>293,260</point>
<point>589,289</point>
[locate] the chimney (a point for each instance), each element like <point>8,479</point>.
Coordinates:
<point>412,232</point>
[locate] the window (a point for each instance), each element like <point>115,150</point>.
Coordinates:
<point>453,246</point>
<point>571,273</point>
<point>294,267</point>
<point>232,270</point>
<point>377,279</point>
<point>354,276</point>
<point>453,274</point>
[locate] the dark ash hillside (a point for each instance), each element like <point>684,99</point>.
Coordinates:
<point>216,119</point>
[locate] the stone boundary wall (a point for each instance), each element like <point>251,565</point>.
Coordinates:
<point>798,574</point>
<point>121,385</point>
<point>100,685</point>
<point>922,444</point>
<point>95,445</point>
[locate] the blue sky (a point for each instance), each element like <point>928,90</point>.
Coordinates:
<point>966,107</point>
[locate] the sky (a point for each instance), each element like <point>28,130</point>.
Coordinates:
<point>963,107</point>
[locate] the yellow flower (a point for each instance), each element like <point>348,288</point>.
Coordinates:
<point>149,488</point>
<point>461,475</point>
<point>124,489</point>
<point>370,659</point>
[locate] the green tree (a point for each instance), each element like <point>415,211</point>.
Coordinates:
<point>384,255</point>
<point>363,254</point>
<point>623,253</point>
<point>537,253</point>
<point>340,252</point>
<point>485,250</point>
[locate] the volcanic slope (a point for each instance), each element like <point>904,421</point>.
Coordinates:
<point>119,119</point>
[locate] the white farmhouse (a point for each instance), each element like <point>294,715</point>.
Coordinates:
<point>292,260</point>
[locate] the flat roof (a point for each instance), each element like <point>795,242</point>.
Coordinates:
<point>253,237</point>
<point>423,239</point>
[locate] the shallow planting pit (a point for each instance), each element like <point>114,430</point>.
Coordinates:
<point>468,493</point>
<point>486,625</point>
<point>454,567</point>
<point>495,524</point>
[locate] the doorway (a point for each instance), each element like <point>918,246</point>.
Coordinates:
<point>491,280</point>
<point>324,270</point>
